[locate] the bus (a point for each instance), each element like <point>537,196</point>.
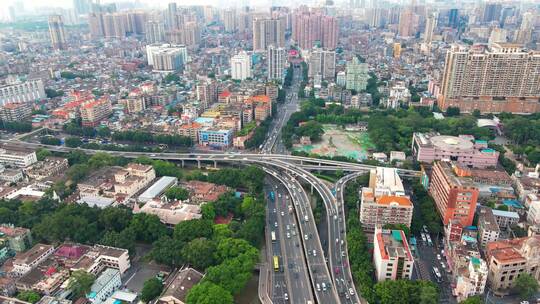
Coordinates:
<point>437,274</point>
<point>276,263</point>
<point>271,195</point>
<point>273,236</point>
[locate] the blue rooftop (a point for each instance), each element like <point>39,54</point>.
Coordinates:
<point>502,213</point>
<point>513,203</point>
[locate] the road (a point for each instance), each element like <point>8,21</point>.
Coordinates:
<point>312,247</point>
<point>278,284</point>
<point>288,238</point>
<point>346,277</point>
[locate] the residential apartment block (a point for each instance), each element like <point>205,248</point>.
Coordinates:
<point>391,255</point>
<point>500,78</point>
<point>17,157</point>
<point>384,201</point>
<point>22,92</point>
<point>15,112</point>
<point>94,111</point>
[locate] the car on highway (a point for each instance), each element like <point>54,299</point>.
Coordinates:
<point>286,297</point>
<point>282,213</point>
<point>314,252</point>
<point>318,287</point>
<point>275,224</point>
<point>288,235</point>
<point>351,291</point>
<point>438,257</point>
<point>305,237</point>
<point>323,286</point>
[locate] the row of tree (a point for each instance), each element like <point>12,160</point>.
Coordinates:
<point>150,138</point>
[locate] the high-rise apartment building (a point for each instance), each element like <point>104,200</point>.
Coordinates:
<point>81,6</point>
<point>229,20</point>
<point>524,34</point>
<point>492,12</point>
<point>57,32</point>
<point>268,32</point>
<point>241,66</point>
<point>155,32</point>
<point>311,29</point>
<point>94,111</point>
<point>391,255</point>
<point>499,78</point>
<point>330,32</point>
<point>166,57</point>
<point>454,193</point>
<point>357,75</point>
<point>171,18</point>
<point>406,26</point>
<point>276,62</point>
<point>322,62</point>
<point>431,24</point>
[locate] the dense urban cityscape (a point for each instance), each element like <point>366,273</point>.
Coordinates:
<point>215,152</point>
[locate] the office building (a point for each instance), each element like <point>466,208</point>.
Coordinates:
<point>17,157</point>
<point>454,193</point>
<point>499,78</point>
<point>396,50</point>
<point>57,32</point>
<point>22,92</point>
<point>215,137</point>
<point>384,201</point>
<point>391,255</point>
<point>357,75</point>
<point>507,259</point>
<point>94,111</point>
<point>463,149</point>
<point>492,12</point>
<point>276,59</point>
<point>322,62</point>
<point>155,32</point>
<point>15,112</point>
<point>241,66</point>
<point>268,32</point>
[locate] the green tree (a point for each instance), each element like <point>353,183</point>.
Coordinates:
<point>152,288</point>
<point>230,248</point>
<point>41,154</point>
<point>232,274</point>
<point>472,300</point>
<point>209,293</point>
<point>186,231</point>
<point>29,296</point>
<point>177,193</point>
<point>50,140</point>
<point>167,251</point>
<point>452,111</point>
<point>526,286</point>
<point>199,253</point>
<point>147,227</point>
<point>73,142</point>
<point>80,283</point>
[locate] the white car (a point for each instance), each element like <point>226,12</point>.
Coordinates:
<point>288,235</point>
<point>351,291</point>
<point>275,224</point>
<point>305,237</point>
<point>438,257</point>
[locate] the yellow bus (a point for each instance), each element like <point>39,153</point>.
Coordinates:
<point>276,263</point>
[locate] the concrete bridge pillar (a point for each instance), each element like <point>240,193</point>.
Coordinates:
<point>301,162</point>
<point>215,164</point>
<point>199,164</point>
<point>183,163</point>
<point>311,189</point>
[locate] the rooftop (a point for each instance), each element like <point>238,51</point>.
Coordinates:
<point>179,287</point>
<point>31,255</point>
<point>392,244</point>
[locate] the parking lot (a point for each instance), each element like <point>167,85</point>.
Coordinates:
<point>141,270</point>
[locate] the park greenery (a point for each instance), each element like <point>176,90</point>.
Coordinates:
<point>388,129</point>
<point>524,132</point>
<point>526,286</point>
<point>177,193</point>
<point>360,260</point>
<point>29,296</point>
